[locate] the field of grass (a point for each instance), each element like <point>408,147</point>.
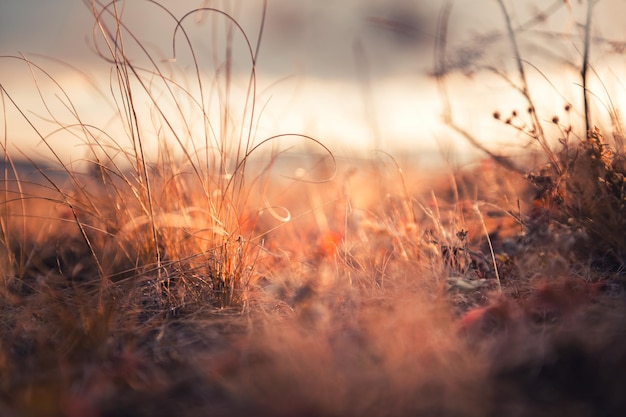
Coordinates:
<point>227,280</point>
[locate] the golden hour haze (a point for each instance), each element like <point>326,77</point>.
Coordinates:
<point>279,208</point>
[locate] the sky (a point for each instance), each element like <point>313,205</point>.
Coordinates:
<point>355,74</point>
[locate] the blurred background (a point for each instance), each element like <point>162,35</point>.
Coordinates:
<point>358,75</point>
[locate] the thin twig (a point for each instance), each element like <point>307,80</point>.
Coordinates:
<point>585,65</point>
<point>493,255</point>
<point>538,132</point>
<point>440,75</point>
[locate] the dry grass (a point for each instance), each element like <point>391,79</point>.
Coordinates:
<point>197,284</point>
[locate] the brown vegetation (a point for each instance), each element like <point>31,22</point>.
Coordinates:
<point>196,287</point>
